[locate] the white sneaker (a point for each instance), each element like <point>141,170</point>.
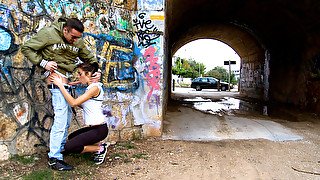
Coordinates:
<point>100,156</point>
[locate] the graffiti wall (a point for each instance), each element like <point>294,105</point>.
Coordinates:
<point>127,39</point>
<point>252,79</point>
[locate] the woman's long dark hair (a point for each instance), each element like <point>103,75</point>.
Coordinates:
<point>87,67</point>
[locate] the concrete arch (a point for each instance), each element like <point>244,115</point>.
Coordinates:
<point>238,39</point>
<point>250,50</point>
<point>278,42</point>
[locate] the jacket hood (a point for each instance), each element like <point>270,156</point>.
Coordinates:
<point>58,24</point>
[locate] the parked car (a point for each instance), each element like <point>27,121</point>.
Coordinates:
<point>208,83</point>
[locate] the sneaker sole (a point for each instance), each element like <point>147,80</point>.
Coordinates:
<point>106,145</point>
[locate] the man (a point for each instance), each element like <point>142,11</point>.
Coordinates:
<point>56,49</point>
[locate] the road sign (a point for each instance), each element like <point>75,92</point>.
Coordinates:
<point>227,62</point>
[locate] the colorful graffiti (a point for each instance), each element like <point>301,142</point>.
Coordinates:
<point>127,65</point>
<point>116,58</point>
<point>153,70</point>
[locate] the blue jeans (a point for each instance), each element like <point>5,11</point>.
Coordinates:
<point>61,123</point>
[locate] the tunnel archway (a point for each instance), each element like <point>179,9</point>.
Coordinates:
<point>211,54</point>
<point>252,54</point>
<point>278,42</point>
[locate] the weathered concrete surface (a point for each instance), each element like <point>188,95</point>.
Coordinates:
<point>192,125</point>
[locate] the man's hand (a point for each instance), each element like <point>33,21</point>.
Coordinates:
<point>96,77</point>
<point>51,66</point>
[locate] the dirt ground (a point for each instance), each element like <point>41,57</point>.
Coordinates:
<point>155,158</point>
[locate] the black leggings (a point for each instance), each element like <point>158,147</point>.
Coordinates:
<point>84,137</point>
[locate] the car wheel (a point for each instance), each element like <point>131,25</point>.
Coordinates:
<point>223,88</point>
<point>198,88</point>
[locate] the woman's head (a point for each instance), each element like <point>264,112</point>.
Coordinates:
<point>85,71</point>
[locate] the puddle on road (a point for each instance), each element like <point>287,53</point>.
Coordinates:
<point>226,105</point>
<point>185,125</point>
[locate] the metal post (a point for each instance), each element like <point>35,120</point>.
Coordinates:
<point>173,84</point>
<point>229,75</point>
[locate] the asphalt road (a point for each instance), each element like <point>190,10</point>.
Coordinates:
<point>206,93</point>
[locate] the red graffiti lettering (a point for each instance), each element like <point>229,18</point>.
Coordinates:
<point>153,76</point>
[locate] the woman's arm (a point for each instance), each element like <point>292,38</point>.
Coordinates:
<point>92,92</point>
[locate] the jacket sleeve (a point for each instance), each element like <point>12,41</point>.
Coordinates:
<point>31,49</point>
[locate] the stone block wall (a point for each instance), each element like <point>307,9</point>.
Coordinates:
<point>126,37</point>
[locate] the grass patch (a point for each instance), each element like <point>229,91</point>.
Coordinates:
<point>81,171</point>
<point>126,145</point>
<point>85,158</point>
<point>39,175</point>
<point>140,156</point>
<point>23,159</point>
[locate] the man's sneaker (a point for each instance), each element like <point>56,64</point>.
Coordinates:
<point>99,157</point>
<point>59,165</point>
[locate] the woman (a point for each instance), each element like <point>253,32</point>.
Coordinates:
<point>87,139</point>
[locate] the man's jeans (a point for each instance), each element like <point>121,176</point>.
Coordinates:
<point>61,123</point>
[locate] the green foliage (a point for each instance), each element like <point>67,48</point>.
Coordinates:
<point>24,159</point>
<point>233,79</point>
<point>140,156</point>
<point>126,145</point>
<point>41,174</point>
<point>188,68</point>
<point>84,158</point>
<point>219,73</point>
<point>222,74</point>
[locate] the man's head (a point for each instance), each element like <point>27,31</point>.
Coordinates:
<point>72,30</point>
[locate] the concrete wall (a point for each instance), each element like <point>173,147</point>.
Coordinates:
<point>127,38</point>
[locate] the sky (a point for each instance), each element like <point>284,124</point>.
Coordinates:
<point>210,52</point>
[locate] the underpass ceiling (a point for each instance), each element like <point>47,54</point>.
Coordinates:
<point>273,23</point>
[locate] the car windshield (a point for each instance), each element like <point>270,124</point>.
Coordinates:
<point>205,79</point>
<point>196,80</point>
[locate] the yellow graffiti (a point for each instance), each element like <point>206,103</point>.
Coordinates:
<point>112,67</point>
<point>157,17</point>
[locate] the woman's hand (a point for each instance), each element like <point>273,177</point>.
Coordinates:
<point>56,79</point>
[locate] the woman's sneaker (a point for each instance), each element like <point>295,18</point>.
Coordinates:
<point>99,157</point>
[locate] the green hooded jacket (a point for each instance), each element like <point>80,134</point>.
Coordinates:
<point>49,44</point>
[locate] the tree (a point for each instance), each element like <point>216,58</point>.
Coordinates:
<point>188,68</point>
<point>221,73</point>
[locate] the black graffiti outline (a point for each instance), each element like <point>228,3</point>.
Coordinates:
<point>147,32</point>
<point>35,125</point>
